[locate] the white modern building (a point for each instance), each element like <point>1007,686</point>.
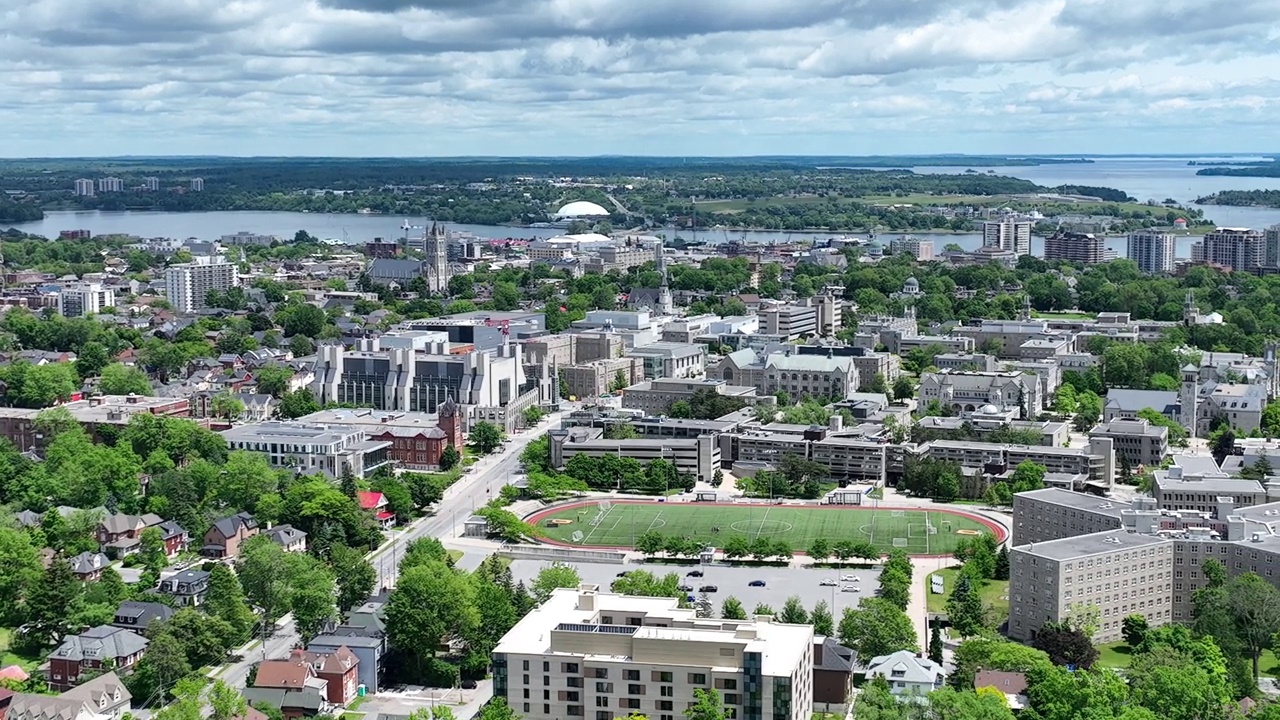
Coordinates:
<point>187,286</point>
<point>308,448</point>
<point>910,676</point>
<point>248,238</point>
<point>1153,250</point>
<point>110,184</point>
<point>83,299</point>
<point>1236,248</point>
<point>197,184</point>
<point>1008,234</point>
<point>84,188</point>
<point>592,654</point>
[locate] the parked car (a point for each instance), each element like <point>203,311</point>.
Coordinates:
<point>708,588</point>
<point>850,588</point>
<point>694,573</point>
<point>828,582</point>
<point>686,588</point>
<point>468,684</point>
<point>756,583</point>
<point>848,578</point>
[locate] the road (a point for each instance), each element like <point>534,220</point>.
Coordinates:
<point>470,492</point>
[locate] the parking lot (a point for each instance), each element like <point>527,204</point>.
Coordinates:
<point>780,582</point>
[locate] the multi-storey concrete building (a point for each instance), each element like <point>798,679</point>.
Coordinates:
<point>1185,488</point>
<point>110,184</point>
<point>1078,247</point>
<point>656,396</point>
<point>151,184</point>
<point>1235,248</point>
<point>1152,249</point>
<point>416,439</point>
<point>698,456</point>
<point>1009,235</point>
<point>921,250</point>
<point>1096,461</point>
<point>966,393</point>
<point>84,188</point>
<point>671,359</point>
<point>595,378</point>
<point>789,321</point>
<point>631,253</point>
<point>187,286</point>
<point>1120,573</point>
<point>1053,514</point>
<point>309,448</point>
<point>196,185</point>
<point>82,299</point>
<point>1140,442</point>
<point>585,651</point>
<point>244,237</point>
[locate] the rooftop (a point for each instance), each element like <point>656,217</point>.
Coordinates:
<point>1090,545</point>
<point>1079,501</point>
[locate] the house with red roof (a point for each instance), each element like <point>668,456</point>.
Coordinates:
<point>376,503</point>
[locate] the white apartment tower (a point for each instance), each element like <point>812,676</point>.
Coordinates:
<point>84,188</point>
<point>1008,234</point>
<point>151,184</point>
<point>599,656</point>
<point>83,299</point>
<point>187,286</point>
<point>197,184</point>
<point>1152,250</point>
<point>110,184</point>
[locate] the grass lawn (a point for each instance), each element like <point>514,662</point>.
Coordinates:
<point>8,657</point>
<point>994,592</point>
<point>618,524</point>
<point>1120,655</point>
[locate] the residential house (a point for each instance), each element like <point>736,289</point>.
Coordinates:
<point>106,693</point>
<point>340,671</point>
<point>288,537</point>
<point>88,566</point>
<point>1013,685</point>
<point>102,698</point>
<point>911,676</point>
<point>225,536</point>
<point>291,685</point>
<point>376,503</point>
<point>120,535</point>
<point>94,649</point>
<point>832,674</point>
<point>366,645</point>
<point>187,588</point>
<point>138,616</point>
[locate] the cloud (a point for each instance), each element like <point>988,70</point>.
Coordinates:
<point>611,76</point>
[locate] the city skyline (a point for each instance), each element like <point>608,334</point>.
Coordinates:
<point>608,77</point>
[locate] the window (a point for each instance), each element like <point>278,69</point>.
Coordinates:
<point>604,715</point>
<point>546,694</point>
<point>570,668</point>
<point>546,666</point>
<point>526,679</point>
<point>630,674</point>
<point>604,687</point>
<point>668,691</point>
<point>663,705</point>
<point>526,693</point>
<point>606,619</point>
<point>526,664</point>
<point>546,679</point>
<point>732,699</point>
<point>697,679</point>
<point>635,689</point>
<point>601,673</point>
<point>629,703</point>
<point>526,707</point>
<point>574,682</point>
<point>573,710</point>
<point>546,709</point>
<point>659,676</point>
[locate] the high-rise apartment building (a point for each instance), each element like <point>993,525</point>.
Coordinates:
<point>1236,248</point>
<point>83,299</point>
<point>599,656</point>
<point>197,184</point>
<point>921,250</point>
<point>151,184</point>
<point>1153,250</point>
<point>110,184</point>
<point>1271,237</point>
<point>1008,234</point>
<point>84,187</point>
<point>187,286</point>
<point>1078,247</point>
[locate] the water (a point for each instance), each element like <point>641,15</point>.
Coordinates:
<point>1143,178</point>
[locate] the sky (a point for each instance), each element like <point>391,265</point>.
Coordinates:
<point>636,77</point>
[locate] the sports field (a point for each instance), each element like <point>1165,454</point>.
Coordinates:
<point>618,524</point>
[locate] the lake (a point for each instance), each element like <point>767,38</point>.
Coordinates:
<point>1143,178</point>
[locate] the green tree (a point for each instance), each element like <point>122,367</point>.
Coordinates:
<point>553,577</point>
<point>313,603</point>
<point>264,573</point>
<point>20,560</point>
<point>1088,411</point>
<point>1254,605</point>
<point>1065,645</point>
<point>354,575</point>
<point>707,705</point>
<point>225,702</point>
<point>964,608</point>
<point>226,405</point>
<point>877,627</point>
<point>1028,476</point>
<point>430,602</point>
<point>485,436</point>
<point>226,600</point>
<point>820,549</point>
<point>506,296</point>
<point>731,609</point>
<point>497,709</point>
<point>820,618</point>
<point>163,665</point>
<point>153,554</point>
<point>301,319</point>
<point>273,380</point>
<point>935,642</point>
<point>650,543</point>
<point>91,359</point>
<point>297,403</point>
<point>449,458</point>
<point>793,612</point>
<point>120,379</point>
<point>1134,629</point>
<point>1002,564</point>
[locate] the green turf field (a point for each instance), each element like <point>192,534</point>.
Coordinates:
<point>619,524</point>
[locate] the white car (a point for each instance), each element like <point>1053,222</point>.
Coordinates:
<point>828,582</point>
<point>849,578</point>
<point>850,588</point>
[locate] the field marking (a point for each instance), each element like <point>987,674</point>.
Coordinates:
<point>596,527</point>
<point>872,539</point>
<point>760,529</point>
<point>927,524</point>
<point>655,519</point>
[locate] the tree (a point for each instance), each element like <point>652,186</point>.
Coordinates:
<point>707,705</point>
<point>1222,443</point>
<point>935,642</point>
<point>731,609</point>
<point>186,705</point>
<point>485,436</point>
<point>226,600</point>
<point>273,380</point>
<point>506,296</point>
<point>204,638</point>
<point>226,702</point>
<point>1134,628</point>
<point>1065,645</point>
<point>1254,604</point>
<point>820,549</point>
<point>650,543</point>
<point>301,346</point>
<point>264,576</point>
<point>20,560</point>
<point>118,379</point>
<point>1002,564</point>
<point>964,608</point>
<point>620,382</point>
<point>704,608</point>
<point>297,403</point>
<point>449,458</point>
<point>226,405</point>
<point>793,612</point>
<point>91,359</point>
<point>163,665</point>
<point>313,603</point>
<point>1088,410</point>
<point>301,319</point>
<point>552,577</point>
<point>877,627</point>
<point>430,603</point>
<point>354,575</point>
<point>153,554</point>
<point>903,388</point>
<point>1028,476</point>
<point>38,386</point>
<point>497,709</point>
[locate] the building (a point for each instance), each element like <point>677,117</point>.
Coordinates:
<point>1009,235</point>
<point>655,397</point>
<point>81,299</point>
<point>791,322</point>
<point>911,676</point>
<point>833,666</point>
<point>120,535</point>
<point>88,566</point>
<point>1120,573</point>
<point>1124,404</point>
<point>18,424</point>
<point>1140,442</point>
<point>1075,247</point>
<point>223,539</point>
<point>197,185</point>
<point>368,649</point>
<point>110,184</point>
<point>377,506</point>
<point>391,270</point>
<point>187,286</point>
<point>584,650</point>
<point>151,184</point>
<point>138,616</point>
<point>1271,236</point>
<point>1235,248</point>
<point>921,250</point>
<point>435,262</point>
<point>247,238</point>
<point>697,456</point>
<point>187,588</point>
<point>1153,250</point>
<point>84,188</point>
<point>339,670</point>
<point>988,393</point>
<point>671,359</point>
<point>1203,490</point>
<point>417,439</point>
<point>308,448</point>
<point>287,536</point>
<point>598,377</point>
<point>102,647</point>
<point>105,697</point>
<point>1091,467</point>
<point>1053,514</point>
<point>631,253</point>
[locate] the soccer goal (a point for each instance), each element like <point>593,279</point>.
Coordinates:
<point>577,536</point>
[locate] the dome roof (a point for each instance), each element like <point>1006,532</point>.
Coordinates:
<point>911,283</point>
<point>581,209</point>
<point>990,410</point>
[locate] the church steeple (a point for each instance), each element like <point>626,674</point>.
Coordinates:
<point>666,305</point>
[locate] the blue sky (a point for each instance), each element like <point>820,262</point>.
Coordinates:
<point>661,77</point>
